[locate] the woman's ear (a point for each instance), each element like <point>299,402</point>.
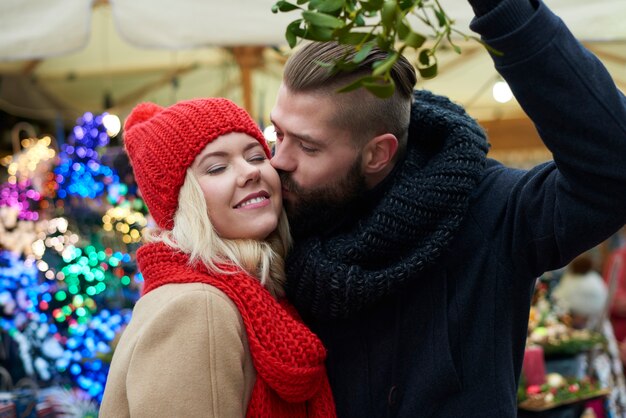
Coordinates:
<point>378,154</point>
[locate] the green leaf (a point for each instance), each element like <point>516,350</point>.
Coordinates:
<point>383,42</point>
<point>402,29</point>
<point>355,38</point>
<point>352,86</point>
<point>414,40</point>
<point>302,1</point>
<point>382,67</point>
<point>441,18</point>
<point>328,6</point>
<point>292,39</point>
<point>428,71</point>
<point>318,33</point>
<point>382,89</point>
<point>324,64</point>
<point>388,13</point>
<point>424,57</point>
<point>284,6</point>
<point>406,4</point>
<point>372,5</point>
<point>293,32</point>
<point>322,20</point>
<point>363,52</point>
<point>346,66</point>
<point>344,31</point>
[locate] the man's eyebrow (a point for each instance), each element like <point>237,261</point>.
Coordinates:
<point>303,137</point>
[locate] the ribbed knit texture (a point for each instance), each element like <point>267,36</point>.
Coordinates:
<point>162,143</point>
<point>405,230</point>
<point>505,16</point>
<point>288,357</point>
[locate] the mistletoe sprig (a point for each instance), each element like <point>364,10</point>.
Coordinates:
<point>363,24</point>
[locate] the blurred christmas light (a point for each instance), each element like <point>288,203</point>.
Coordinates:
<point>80,171</point>
<point>22,197</point>
<point>88,350</point>
<point>116,192</point>
<point>125,221</point>
<point>21,313</point>
<point>17,235</point>
<point>24,164</point>
<point>63,301</point>
<point>18,285</point>
<point>52,235</point>
<point>112,124</point>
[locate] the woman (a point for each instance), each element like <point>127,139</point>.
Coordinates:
<point>211,335</point>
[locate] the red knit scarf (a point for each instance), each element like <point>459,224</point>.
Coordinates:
<point>289,359</point>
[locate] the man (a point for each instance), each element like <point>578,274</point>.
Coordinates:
<point>415,256</point>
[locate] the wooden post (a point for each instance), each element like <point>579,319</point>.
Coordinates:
<point>248,58</point>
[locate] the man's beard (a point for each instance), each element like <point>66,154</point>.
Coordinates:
<point>319,209</point>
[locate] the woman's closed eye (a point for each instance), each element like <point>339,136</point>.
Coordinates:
<point>257,158</point>
<point>216,169</point>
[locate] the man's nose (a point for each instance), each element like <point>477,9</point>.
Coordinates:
<point>283,158</point>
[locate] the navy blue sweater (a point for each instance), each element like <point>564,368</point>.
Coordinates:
<point>452,343</point>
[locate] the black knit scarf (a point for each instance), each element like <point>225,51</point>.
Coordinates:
<point>406,226</point>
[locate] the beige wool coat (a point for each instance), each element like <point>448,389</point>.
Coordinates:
<point>183,354</point>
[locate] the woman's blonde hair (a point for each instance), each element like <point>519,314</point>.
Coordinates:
<point>194,234</point>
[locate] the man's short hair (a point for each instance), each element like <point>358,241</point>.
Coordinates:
<point>360,111</point>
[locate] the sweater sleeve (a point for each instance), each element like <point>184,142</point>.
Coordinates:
<point>504,15</point>
<point>189,360</point>
<point>557,211</point>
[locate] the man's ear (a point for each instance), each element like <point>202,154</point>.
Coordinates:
<point>378,153</point>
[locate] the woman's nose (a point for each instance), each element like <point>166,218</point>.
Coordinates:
<point>249,173</point>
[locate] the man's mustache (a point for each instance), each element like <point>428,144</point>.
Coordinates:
<point>287,182</point>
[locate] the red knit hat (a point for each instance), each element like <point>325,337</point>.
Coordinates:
<point>162,143</point>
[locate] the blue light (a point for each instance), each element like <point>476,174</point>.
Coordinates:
<point>96,365</point>
<point>75,369</point>
<point>62,363</point>
<point>78,134</point>
<point>95,389</point>
<point>71,343</point>
<point>103,347</point>
<point>80,171</point>
<point>84,382</point>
